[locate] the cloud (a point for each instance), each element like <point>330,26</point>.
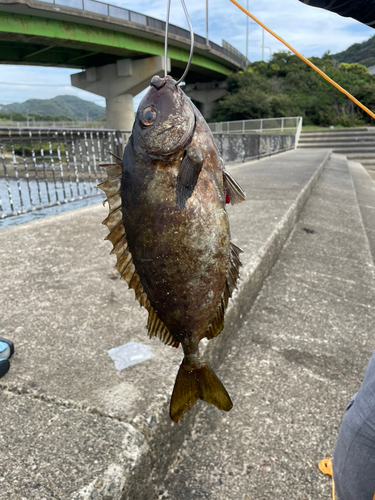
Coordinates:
<point>310,30</point>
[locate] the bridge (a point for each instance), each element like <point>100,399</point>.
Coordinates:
<point>118,49</point>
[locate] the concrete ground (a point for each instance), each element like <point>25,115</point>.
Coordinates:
<point>365,191</point>
<point>75,428</point>
<point>293,366</point>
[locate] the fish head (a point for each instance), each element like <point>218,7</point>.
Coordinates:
<point>165,120</point>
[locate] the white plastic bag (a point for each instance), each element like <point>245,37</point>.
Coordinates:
<point>130,354</point>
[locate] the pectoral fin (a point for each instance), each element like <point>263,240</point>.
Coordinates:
<point>233,189</point>
<point>188,175</point>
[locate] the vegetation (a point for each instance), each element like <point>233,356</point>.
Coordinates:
<point>21,117</point>
<point>362,53</point>
<point>286,86</point>
<point>64,107</point>
<point>26,150</point>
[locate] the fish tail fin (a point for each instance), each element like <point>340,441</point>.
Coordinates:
<point>196,380</point>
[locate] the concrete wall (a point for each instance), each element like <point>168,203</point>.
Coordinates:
<point>241,147</point>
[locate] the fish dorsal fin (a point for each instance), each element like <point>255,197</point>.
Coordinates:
<point>233,189</point>
<point>125,265</point>
<point>230,284</point>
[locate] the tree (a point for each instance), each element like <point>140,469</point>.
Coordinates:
<point>286,86</point>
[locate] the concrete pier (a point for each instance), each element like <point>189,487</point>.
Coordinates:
<point>119,83</point>
<point>206,94</point>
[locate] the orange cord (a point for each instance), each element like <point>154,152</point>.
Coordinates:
<point>326,77</point>
<point>325,466</point>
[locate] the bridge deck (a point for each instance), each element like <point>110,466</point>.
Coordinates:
<point>38,33</point>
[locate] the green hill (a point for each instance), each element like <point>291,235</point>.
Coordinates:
<point>61,106</point>
<point>362,53</point>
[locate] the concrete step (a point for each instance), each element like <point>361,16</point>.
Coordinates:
<point>90,431</point>
<point>352,141</point>
<point>371,172</point>
<point>360,155</point>
<point>338,132</point>
<point>365,189</point>
<point>364,147</point>
<point>294,364</point>
<point>341,149</point>
<point>367,163</point>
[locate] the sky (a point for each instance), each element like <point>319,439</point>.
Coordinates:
<point>309,30</point>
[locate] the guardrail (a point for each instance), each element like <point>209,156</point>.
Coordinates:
<point>52,124</point>
<point>113,11</point>
<point>262,125</point>
<point>41,168</point>
<point>257,126</point>
<point>46,167</point>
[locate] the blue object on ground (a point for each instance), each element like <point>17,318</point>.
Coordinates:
<point>6,348</point>
<point>6,351</point>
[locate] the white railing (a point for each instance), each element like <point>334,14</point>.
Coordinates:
<point>298,133</point>
<point>42,168</point>
<point>261,125</point>
<point>31,123</point>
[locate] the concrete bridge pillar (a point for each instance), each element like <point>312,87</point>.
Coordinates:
<point>206,93</point>
<point>119,83</point>
<point>120,112</point>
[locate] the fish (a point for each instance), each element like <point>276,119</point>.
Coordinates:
<point>170,233</point>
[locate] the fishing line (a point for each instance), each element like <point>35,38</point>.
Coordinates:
<point>166,41</point>
<point>191,43</point>
<point>326,77</point>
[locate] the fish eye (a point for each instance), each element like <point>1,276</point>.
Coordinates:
<point>148,116</point>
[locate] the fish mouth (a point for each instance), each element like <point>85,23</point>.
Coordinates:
<point>158,82</point>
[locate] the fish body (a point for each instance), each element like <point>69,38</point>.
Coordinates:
<point>176,237</point>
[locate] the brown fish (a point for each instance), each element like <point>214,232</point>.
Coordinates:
<point>170,232</point>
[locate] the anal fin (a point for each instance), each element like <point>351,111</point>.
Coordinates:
<point>156,328</point>
<point>232,276</point>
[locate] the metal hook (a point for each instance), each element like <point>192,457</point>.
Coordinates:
<point>166,41</point>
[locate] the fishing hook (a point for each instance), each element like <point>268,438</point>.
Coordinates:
<point>166,41</point>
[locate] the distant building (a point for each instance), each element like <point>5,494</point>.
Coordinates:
<point>371,70</point>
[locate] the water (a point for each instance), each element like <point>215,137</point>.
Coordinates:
<point>84,194</point>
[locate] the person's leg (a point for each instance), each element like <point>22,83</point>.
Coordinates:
<point>354,461</point>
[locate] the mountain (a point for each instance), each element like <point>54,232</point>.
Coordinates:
<point>63,105</point>
<point>363,53</point>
